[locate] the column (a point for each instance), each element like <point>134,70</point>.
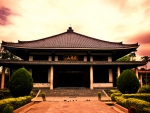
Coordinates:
<point>110,75</point>
<point>85,58</point>
<point>136,73</point>
<point>30,58</point>
<point>51,78</point>
<point>56,58</point>
<point>109,58</point>
<point>91,77</point>
<point>49,75</point>
<point>91,58</point>
<point>50,58</point>
<point>30,70</point>
<point>118,71</point>
<point>3,78</point>
<point>141,82</point>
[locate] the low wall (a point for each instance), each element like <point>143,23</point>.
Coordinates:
<point>96,85</point>
<point>37,85</point>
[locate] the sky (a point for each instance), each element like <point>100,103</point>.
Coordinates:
<point>126,21</point>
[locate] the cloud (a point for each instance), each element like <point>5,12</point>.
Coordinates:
<point>4,13</point>
<point>141,38</point>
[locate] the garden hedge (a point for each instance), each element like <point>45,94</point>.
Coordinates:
<point>141,105</point>
<point>145,97</point>
<point>113,96</point>
<point>15,102</point>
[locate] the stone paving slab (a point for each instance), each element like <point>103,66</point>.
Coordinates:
<point>82,105</point>
<point>60,99</point>
<point>71,107</point>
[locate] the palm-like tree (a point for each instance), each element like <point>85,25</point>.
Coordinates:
<point>146,59</point>
<point>132,55</point>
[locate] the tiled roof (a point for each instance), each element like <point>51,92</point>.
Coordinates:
<point>69,39</point>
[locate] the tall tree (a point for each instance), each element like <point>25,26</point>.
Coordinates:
<point>6,55</point>
<point>132,55</point>
<point>124,58</point>
<point>146,59</point>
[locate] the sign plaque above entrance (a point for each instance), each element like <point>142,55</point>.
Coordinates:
<point>71,57</point>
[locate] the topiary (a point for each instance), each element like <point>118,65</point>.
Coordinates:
<point>144,89</point>
<point>127,82</point>
<point>20,83</point>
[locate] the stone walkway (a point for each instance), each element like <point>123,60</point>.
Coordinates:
<point>70,105</point>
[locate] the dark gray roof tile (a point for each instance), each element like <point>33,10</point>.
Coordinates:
<point>69,39</point>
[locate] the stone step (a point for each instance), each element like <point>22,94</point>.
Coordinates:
<point>71,92</point>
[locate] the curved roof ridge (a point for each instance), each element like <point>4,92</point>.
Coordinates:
<point>100,39</point>
<point>77,34</point>
<point>41,38</point>
<point>69,39</point>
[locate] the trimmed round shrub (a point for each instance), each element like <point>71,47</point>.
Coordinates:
<point>20,83</point>
<point>144,89</point>
<point>127,82</point>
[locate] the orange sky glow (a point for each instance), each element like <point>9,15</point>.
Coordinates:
<point>126,21</point>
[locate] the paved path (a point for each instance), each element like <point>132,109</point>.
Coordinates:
<point>70,105</point>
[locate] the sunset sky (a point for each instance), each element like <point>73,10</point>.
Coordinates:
<point>126,21</point>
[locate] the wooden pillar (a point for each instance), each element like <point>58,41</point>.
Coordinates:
<point>3,78</point>
<point>91,58</point>
<point>136,73</point>
<point>91,77</point>
<point>110,75</point>
<point>30,58</point>
<point>51,77</point>
<point>118,71</point>
<point>85,58</point>
<point>50,58</point>
<point>109,59</point>
<point>30,70</point>
<point>141,82</point>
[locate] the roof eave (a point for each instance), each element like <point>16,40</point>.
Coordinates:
<point>63,48</point>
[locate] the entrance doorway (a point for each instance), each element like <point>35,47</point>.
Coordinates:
<point>70,79</point>
<point>71,76</point>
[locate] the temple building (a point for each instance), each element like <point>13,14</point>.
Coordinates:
<point>70,59</point>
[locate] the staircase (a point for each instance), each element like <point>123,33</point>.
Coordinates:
<point>69,92</point>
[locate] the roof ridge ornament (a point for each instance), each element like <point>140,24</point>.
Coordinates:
<point>70,30</point>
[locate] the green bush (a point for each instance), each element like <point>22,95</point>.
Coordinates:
<point>8,109</point>
<point>140,105</point>
<point>99,94</point>
<point>144,89</point>
<point>146,110</point>
<point>5,94</point>
<point>15,102</point>
<point>121,101</point>
<point>127,82</point>
<point>21,83</point>
<point>145,97</point>
<point>137,103</point>
<point>113,96</point>
<point>114,91</point>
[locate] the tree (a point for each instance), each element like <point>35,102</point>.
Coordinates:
<point>6,55</point>
<point>132,55</point>
<point>146,59</point>
<point>20,83</point>
<point>124,58</point>
<point>127,57</point>
<point>127,82</point>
